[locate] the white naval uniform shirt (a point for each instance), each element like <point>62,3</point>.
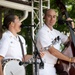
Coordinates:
<point>44,38</point>
<point>10,46</point>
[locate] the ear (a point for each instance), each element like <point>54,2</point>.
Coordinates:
<point>12,23</point>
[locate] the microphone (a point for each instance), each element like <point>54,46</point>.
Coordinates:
<point>27,26</point>
<point>21,63</point>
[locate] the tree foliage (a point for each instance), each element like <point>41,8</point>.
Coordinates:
<point>63,28</point>
<point>70,6</point>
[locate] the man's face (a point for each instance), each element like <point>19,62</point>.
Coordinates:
<point>50,18</point>
<point>17,24</point>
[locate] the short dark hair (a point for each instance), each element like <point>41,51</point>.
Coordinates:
<point>45,12</point>
<point>7,20</point>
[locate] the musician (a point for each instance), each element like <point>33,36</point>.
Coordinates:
<point>50,41</point>
<point>10,47</point>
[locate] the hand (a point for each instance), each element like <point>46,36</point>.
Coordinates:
<point>42,54</point>
<point>27,57</point>
<point>73,59</point>
<point>72,23</point>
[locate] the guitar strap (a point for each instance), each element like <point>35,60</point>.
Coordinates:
<point>21,47</point>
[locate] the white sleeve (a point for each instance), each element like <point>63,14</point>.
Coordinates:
<point>43,40</point>
<point>4,45</point>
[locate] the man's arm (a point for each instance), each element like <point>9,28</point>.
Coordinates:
<point>1,73</point>
<point>59,55</point>
<point>27,57</point>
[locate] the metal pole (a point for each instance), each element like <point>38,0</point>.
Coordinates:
<point>0,22</point>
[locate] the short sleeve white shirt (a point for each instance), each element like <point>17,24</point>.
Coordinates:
<point>44,38</point>
<point>10,47</point>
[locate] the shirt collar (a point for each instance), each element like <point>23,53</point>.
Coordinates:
<point>47,28</point>
<point>11,35</point>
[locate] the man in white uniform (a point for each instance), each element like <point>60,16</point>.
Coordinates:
<point>10,47</point>
<point>50,42</point>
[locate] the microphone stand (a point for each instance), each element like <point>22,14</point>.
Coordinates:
<point>36,56</point>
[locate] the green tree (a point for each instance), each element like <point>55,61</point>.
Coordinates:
<point>70,6</point>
